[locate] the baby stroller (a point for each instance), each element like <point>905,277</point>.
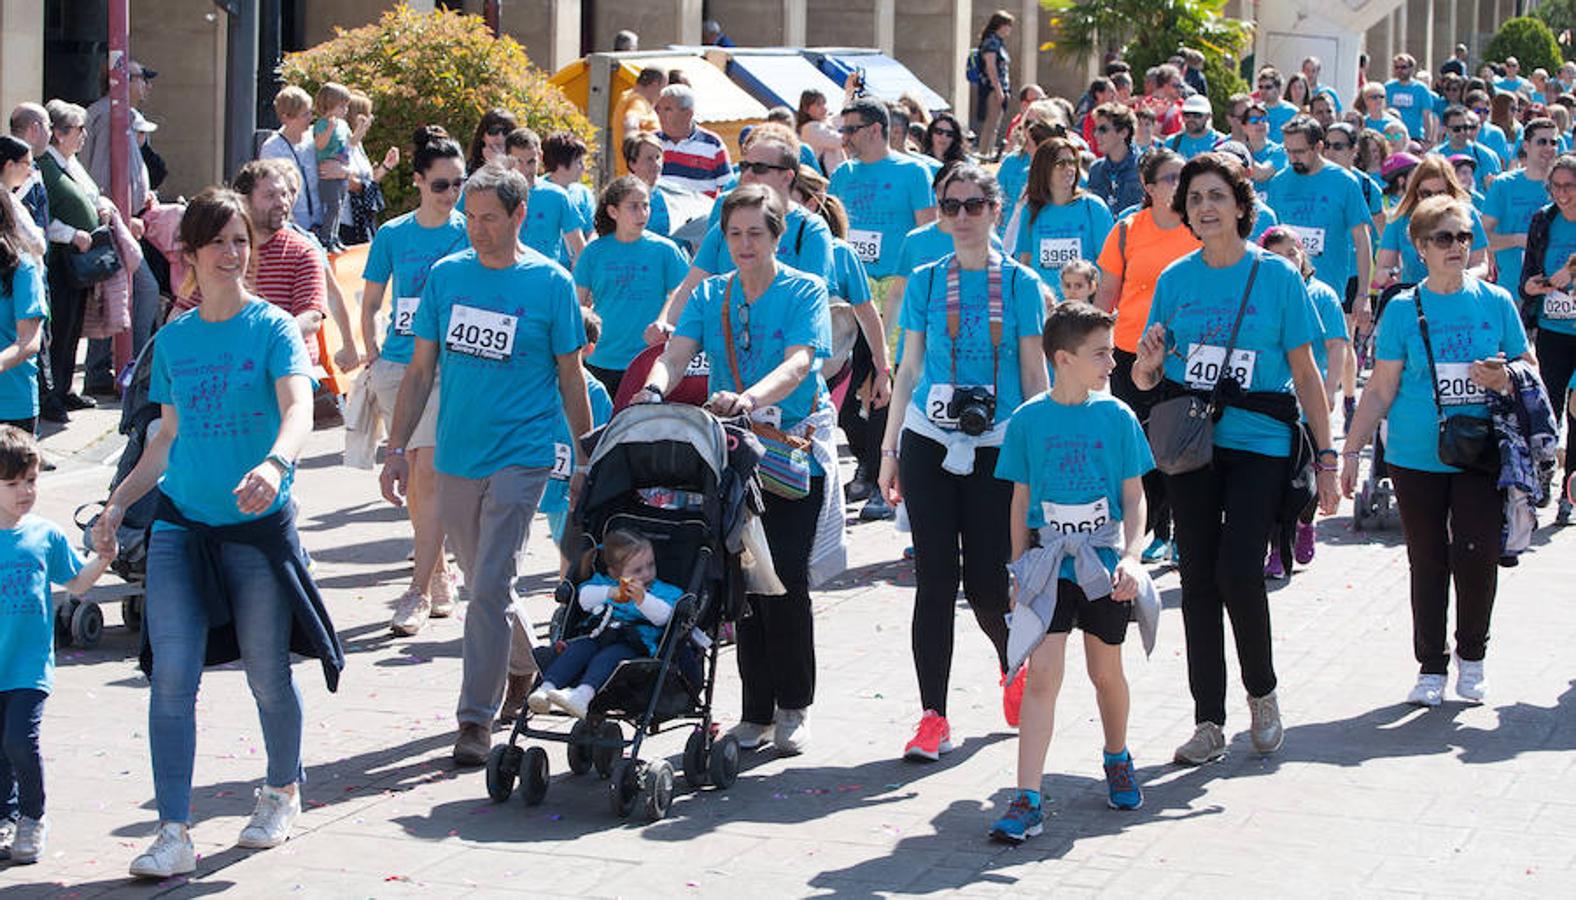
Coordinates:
<point>82,624</point>
<point>1374,504</point>
<point>686,482</point>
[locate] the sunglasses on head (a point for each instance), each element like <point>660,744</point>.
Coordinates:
<point>441,185</point>
<point>760,168</point>
<point>975,206</point>
<point>1444,240</point>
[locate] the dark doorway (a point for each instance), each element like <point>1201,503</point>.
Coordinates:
<point>76,36</point>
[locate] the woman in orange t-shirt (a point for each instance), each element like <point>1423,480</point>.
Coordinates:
<point>1138,249</point>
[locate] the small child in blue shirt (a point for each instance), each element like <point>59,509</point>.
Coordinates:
<point>34,553</point>
<point>632,605</point>
<point>331,137</point>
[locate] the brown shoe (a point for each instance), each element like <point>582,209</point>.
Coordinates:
<point>472,744</point>
<point>514,698</point>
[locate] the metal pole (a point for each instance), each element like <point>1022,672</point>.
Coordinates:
<point>120,134</point>
<point>490,15</point>
<point>240,86</point>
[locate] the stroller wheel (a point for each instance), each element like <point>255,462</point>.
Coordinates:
<point>578,749</point>
<point>87,625</point>
<point>503,765</point>
<point>695,772</point>
<point>131,612</point>
<point>659,789</point>
<point>606,757</point>
<point>623,791</point>
<point>533,776</point>
<point>63,614</point>
<point>723,766</point>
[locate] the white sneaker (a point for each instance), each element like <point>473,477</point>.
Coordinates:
<point>1429,691</point>
<point>573,700</point>
<point>791,734</point>
<point>538,700</point>
<point>1471,684</point>
<point>276,812</point>
<point>410,613</point>
<point>1265,729</point>
<point>442,592</point>
<point>170,855</point>
<point>750,735</point>
<point>28,845</point>
<point>1207,744</point>
<point>7,835</point>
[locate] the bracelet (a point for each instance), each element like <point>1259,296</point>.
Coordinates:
<point>397,451</point>
<point>1324,467</point>
<point>1327,451</point>
<point>888,454</point>
<point>1352,454</point>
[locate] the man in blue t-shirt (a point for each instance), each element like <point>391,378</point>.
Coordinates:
<point>1411,100</point>
<point>1324,204</point>
<point>1513,82</point>
<point>1197,136</point>
<point>1514,197</point>
<point>1271,87</point>
<point>503,321</point>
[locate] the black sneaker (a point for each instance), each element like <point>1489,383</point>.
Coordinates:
<point>876,509</point>
<point>75,402</point>
<point>106,390</point>
<point>54,412</point>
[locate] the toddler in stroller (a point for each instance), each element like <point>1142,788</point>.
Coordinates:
<point>630,607</point>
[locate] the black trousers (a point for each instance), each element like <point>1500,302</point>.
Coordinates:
<point>1155,497</point>
<point>952,513</point>
<point>776,639</point>
<point>1556,363</point>
<point>66,307</point>
<point>864,434</point>
<point>1451,521</point>
<point>609,378</point>
<point>1224,514</point>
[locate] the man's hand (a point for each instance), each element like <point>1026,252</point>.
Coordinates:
<point>395,478</point>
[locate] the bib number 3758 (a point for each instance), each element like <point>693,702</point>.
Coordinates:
<point>481,332</point>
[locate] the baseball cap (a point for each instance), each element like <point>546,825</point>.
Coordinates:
<point>1198,103</point>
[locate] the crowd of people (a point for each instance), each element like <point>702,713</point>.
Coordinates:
<point>1115,337</point>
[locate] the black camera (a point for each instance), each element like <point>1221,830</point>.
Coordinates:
<point>974,409</point>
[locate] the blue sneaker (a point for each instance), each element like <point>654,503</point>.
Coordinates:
<point>1157,551</point>
<point>1124,792</point>
<point>1023,819</point>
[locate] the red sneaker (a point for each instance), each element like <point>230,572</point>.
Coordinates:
<point>933,738</point>
<point>1012,696</point>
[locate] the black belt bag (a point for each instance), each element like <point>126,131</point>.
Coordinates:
<point>1465,442</point>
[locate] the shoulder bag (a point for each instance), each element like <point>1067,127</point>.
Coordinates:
<point>1465,442</point>
<point>785,466</point>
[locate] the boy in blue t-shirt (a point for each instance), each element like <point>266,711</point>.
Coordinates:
<point>34,553</point>
<point>1077,457</point>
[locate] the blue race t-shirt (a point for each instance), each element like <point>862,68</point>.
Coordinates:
<point>1190,146</point>
<point>1332,321</point>
<point>1493,137</point>
<point>806,244</point>
<point>1074,458</point>
<point>629,283</point>
<point>1061,234</point>
<point>1410,101</point>
<point>555,497</point>
<point>1197,304</point>
<point>499,334</point>
<point>926,244</point>
<point>1412,269</point>
<point>1264,219</point>
<point>1012,175</point>
<point>1322,208</point>
<point>1511,200</point>
<point>220,377</point>
<point>659,223</point>
<point>1557,309</point>
<point>882,199</point>
<point>33,555</point>
<point>584,203</point>
<point>925,311</point>
<point>549,215</point>
<point>1279,114</point>
<point>1488,163</point>
<point>793,311</point>
<point>402,253</point>
<point>25,300</point>
<point>1474,323</point>
<point>850,281</point>
<point>1271,154</point>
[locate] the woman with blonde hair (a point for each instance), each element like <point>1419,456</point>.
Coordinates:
<point>1399,262</point>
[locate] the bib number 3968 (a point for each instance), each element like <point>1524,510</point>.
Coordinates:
<point>1058,252</point>
<point>1206,365</point>
<point>1076,518</point>
<point>481,332</point>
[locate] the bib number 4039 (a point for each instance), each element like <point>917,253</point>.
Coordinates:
<point>480,332</point>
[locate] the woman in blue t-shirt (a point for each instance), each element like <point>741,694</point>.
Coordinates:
<point>1451,517</point>
<point>765,326</point>
<point>1546,289</point>
<point>1061,222</point>
<point>22,313</point>
<point>1234,310</point>
<point>643,155</point>
<point>235,391</point>
<point>971,354</point>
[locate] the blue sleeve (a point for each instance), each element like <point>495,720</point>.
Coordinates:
<point>809,320</point>
<point>585,265</point>
<point>601,403</point>
<point>380,257</point>
<point>1394,236</point>
<point>1514,338</point>
<point>1391,337</point>
<point>708,258</point>
<point>64,562</point>
<point>815,254</point>
<point>1137,459</point>
<point>287,351</point>
<point>1012,462</point>
<point>1101,221</point>
<point>1028,305</point>
<point>425,323</point>
<point>1331,318</point>
<point>1494,201</point>
<point>567,328</point>
<point>27,290</point>
<point>692,324</point>
<point>916,299</point>
<point>1299,322</point>
<point>1479,235</point>
<point>921,195</point>
<point>852,276</point>
<point>159,390</point>
<point>1356,207</point>
<point>674,266</point>
<point>1160,303</point>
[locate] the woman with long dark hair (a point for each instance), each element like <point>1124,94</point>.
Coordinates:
<point>487,144</point>
<point>1061,222</point>
<point>945,139</point>
<point>995,86</point>
<point>815,128</point>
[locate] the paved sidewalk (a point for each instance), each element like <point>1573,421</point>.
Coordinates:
<point>1369,796</point>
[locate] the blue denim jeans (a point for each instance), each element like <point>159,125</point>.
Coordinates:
<point>586,661</point>
<point>21,762</point>
<point>175,618</point>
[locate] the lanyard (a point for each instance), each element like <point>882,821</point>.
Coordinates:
<point>955,307</point>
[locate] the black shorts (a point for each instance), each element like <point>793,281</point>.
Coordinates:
<point>1351,295</point>
<point>1104,618</point>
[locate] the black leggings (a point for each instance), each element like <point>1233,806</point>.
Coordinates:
<point>776,638</point>
<point>947,512</point>
<point>1224,514</point>
<point>864,435</point>
<point>1155,497</point>
<point>1556,362</point>
<point>1452,524</point>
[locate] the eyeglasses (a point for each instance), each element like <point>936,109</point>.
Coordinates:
<point>1168,179</point>
<point>1460,129</point>
<point>944,132</point>
<point>1444,240</point>
<point>760,168</point>
<point>1066,161</point>
<point>744,327</point>
<point>442,185</point>
<point>1403,67</point>
<point>1561,187</point>
<point>974,206</point>
<point>498,130</point>
<point>1337,148</point>
<point>1480,110</point>
<point>1255,120</point>
<point>850,129</point>
<point>1543,142</point>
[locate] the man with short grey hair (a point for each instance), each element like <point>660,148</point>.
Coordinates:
<point>693,159</point>
<point>502,321</point>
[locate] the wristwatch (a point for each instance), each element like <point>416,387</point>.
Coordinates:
<point>283,464</point>
<point>654,391</point>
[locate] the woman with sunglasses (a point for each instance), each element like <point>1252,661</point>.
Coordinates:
<point>1236,312</point>
<point>971,354</point>
<point>1061,222</point>
<point>1135,253</point>
<point>1398,260</point>
<point>402,253</point>
<point>1546,281</point>
<point>487,143</point>
<point>1451,517</point>
<point>945,140</point>
<point>765,328</point>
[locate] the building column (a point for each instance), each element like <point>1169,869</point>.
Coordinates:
<point>1452,24</point>
<point>1473,48</point>
<point>563,30</point>
<point>796,16</point>
<point>886,25</point>
<point>962,21</point>
<point>689,15</point>
<point>21,52</point>
<point>1028,29</point>
<point>1429,22</point>
<point>1383,68</point>
<point>1389,35</point>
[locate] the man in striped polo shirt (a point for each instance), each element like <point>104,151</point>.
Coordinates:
<point>693,159</point>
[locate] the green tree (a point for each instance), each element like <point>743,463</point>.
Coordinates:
<point>1560,16</point>
<point>1148,32</point>
<point>1529,40</point>
<point>439,68</point>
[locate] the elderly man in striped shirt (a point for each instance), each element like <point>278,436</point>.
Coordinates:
<point>693,159</point>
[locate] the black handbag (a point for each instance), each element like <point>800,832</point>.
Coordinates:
<point>85,268</point>
<point>1465,442</point>
<point>1182,429</point>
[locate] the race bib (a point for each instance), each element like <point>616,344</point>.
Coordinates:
<point>699,365</point>
<point>1206,365</point>
<point>481,332</point>
<point>938,406</point>
<point>1559,305</point>
<point>405,313</point>
<point>1312,239</point>
<point>1401,101</point>
<point>866,244</point>
<point>1058,252</point>
<point>563,462</point>
<point>1076,518</point>
<point>1456,387</point>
